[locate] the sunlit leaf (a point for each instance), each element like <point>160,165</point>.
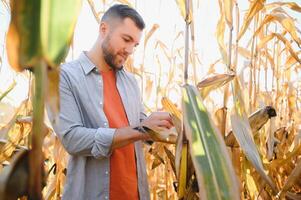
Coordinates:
<point>291,179</point>
<point>52,99</point>
<point>150,33</point>
<point>4,130</point>
<point>171,158</point>
<point>182,174</point>
<point>162,135</point>
<point>244,52</point>
<point>23,45</point>
<point>286,22</point>
<point>292,5</point>
<point>243,134</point>
<point>215,173</point>
<point>174,111</point>
<point>182,6</point>
<point>9,89</point>
<point>158,161</point>
<point>254,8</point>
<point>214,82</point>
<point>256,120</point>
<point>220,32</point>
<point>228,5</point>
<point>291,61</point>
<point>57,27</point>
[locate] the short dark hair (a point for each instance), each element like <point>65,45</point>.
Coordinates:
<point>121,11</point>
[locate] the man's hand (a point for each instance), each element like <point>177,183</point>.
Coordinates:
<point>158,121</point>
<point>158,126</point>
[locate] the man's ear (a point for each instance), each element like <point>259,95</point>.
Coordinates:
<point>103,29</point>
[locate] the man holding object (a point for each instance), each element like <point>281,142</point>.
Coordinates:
<point>102,116</point>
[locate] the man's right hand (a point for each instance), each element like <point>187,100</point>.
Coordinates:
<point>160,124</point>
<point>158,121</point>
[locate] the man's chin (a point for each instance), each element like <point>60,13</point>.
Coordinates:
<point>117,67</point>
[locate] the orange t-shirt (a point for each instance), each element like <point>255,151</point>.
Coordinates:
<point>123,174</point>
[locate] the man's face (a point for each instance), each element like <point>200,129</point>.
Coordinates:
<point>119,42</point>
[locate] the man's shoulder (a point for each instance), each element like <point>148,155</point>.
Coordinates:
<point>71,67</point>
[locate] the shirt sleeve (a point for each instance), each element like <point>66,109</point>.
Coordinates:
<point>77,139</point>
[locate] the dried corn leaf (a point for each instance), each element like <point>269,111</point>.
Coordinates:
<point>293,177</point>
<point>244,52</point>
<point>264,41</point>
<point>171,158</point>
<point>52,99</point>
<point>249,180</point>
<point>243,134</point>
<point>256,120</point>
<point>162,135</point>
<point>291,61</point>
<point>182,172</point>
<point>4,130</point>
<point>214,82</point>
<point>286,22</point>
<point>254,8</point>
<point>9,89</point>
<point>288,45</point>
<point>158,161</point>
<point>174,111</point>
<point>182,6</point>
<point>292,5</point>
<point>150,33</point>
<point>220,34</point>
<point>271,141</point>
<point>220,116</point>
<point>270,59</point>
<point>228,7</point>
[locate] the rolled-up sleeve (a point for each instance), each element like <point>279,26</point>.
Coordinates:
<point>77,139</point>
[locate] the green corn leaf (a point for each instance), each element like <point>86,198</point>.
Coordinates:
<point>40,29</point>
<point>58,19</point>
<point>214,171</point>
<point>23,43</point>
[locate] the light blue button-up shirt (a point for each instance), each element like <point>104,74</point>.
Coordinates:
<point>84,132</point>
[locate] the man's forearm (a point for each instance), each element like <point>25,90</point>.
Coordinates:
<point>125,136</point>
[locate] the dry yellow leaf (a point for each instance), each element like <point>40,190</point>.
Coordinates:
<point>254,8</point>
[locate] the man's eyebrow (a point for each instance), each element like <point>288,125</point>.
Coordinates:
<point>126,35</point>
<point>131,38</point>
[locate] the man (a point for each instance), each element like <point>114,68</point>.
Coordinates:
<point>102,117</point>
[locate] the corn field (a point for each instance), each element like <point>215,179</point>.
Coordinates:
<point>237,118</point>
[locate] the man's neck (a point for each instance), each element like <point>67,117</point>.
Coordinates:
<point>97,59</point>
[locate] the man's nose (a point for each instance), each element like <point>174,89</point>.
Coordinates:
<point>129,49</point>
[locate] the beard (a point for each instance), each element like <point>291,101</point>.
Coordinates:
<point>109,57</point>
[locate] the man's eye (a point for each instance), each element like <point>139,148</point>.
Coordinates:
<point>126,40</point>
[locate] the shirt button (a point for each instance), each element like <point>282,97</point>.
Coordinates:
<point>100,103</point>
<point>107,172</point>
<point>105,123</point>
<point>106,197</point>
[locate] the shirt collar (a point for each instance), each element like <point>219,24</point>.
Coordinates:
<point>86,63</point>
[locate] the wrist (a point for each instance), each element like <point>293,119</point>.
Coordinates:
<point>140,129</point>
<point>144,134</point>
